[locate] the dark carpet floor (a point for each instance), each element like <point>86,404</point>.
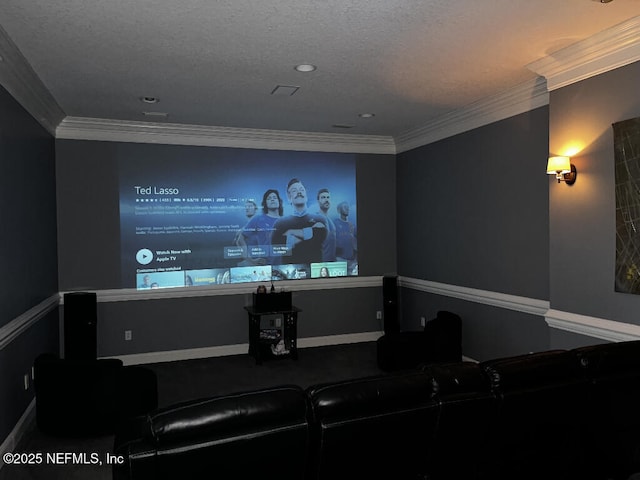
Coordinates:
<point>192,379</point>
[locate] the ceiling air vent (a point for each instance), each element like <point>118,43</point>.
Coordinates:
<point>284,90</point>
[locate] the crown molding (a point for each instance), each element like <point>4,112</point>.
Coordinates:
<point>23,83</point>
<point>610,49</point>
<point>82,128</point>
<point>519,99</point>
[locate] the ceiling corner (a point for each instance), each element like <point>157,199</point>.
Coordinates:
<point>22,82</point>
<point>607,50</point>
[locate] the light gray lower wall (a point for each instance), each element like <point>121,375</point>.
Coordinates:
<point>498,325</point>
<point>172,324</point>
<point>568,340</point>
<point>487,331</point>
<point>16,360</point>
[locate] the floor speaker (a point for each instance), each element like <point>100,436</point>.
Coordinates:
<point>80,326</point>
<point>390,304</point>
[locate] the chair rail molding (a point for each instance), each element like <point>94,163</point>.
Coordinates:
<point>132,294</point>
<point>600,328</point>
<point>18,325</point>
<point>592,326</point>
<point>503,300</point>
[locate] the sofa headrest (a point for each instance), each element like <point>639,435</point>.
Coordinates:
<point>620,359</point>
<point>457,379</point>
<point>544,369</point>
<point>371,396</point>
<point>236,414</point>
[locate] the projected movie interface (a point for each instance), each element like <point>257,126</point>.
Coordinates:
<point>191,232</point>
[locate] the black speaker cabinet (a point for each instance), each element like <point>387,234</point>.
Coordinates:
<point>80,326</point>
<point>390,304</point>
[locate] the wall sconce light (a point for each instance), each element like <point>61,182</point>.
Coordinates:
<point>563,169</point>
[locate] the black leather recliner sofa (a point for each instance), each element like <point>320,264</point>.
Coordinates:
<point>562,414</point>
<point>359,428</point>
<point>261,434</point>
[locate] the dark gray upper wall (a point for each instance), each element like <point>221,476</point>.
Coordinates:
<point>473,208</point>
<point>582,217</point>
<point>28,245</point>
<point>88,208</point>
<point>27,189</point>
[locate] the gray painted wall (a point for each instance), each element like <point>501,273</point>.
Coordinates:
<point>473,212</point>
<point>487,332</point>
<point>28,245</point>
<point>473,208</point>
<point>185,323</point>
<point>88,227</point>
<point>582,217</point>
<point>568,340</point>
<point>27,190</point>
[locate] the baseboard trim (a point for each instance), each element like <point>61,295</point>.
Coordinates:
<point>21,428</point>
<point>343,339</point>
<point>239,349</point>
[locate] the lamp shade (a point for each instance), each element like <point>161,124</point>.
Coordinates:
<point>557,165</point>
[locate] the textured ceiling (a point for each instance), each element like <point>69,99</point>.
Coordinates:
<point>216,62</point>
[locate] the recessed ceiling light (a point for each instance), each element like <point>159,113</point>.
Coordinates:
<point>305,67</point>
<point>366,115</point>
<point>149,99</point>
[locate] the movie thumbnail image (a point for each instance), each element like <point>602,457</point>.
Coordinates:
<point>328,269</point>
<point>207,276</point>
<point>250,274</point>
